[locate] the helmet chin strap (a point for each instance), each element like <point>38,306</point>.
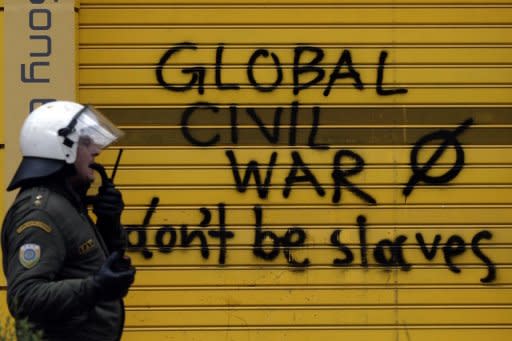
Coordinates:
<point>64,132</point>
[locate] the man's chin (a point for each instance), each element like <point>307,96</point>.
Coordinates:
<point>81,184</point>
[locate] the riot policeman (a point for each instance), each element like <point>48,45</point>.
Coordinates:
<point>66,275</point>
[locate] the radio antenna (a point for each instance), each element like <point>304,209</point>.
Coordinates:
<point>116,165</point>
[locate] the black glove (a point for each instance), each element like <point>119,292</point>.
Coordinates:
<point>108,204</point>
<point>115,277</point>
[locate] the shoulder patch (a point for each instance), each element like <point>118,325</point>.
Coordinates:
<point>30,254</point>
<point>34,223</point>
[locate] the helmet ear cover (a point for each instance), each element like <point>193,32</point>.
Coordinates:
<point>33,168</point>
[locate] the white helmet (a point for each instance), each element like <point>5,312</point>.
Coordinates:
<point>49,138</point>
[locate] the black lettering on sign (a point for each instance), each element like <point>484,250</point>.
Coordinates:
<point>361,223</point>
<point>48,43</point>
<point>340,175</point>
<point>273,134</point>
<point>140,231</point>
<point>429,254</point>
<point>166,236</point>
<point>218,71</point>
<point>448,138</point>
<point>310,67</point>
<point>161,234</point>
<point>293,238</point>
<point>273,137</point>
<point>39,19</point>
<point>233,120</point>
<point>491,268</point>
<point>187,238</point>
<point>345,58</point>
<point>259,249</point>
<point>306,64</point>
<point>250,70</point>
<point>349,256</point>
<point>308,176</point>
<point>222,233</point>
<point>380,78</point>
<point>294,112</point>
<point>252,169</point>
<point>396,257</point>
<point>32,74</point>
<point>268,244</point>
<point>185,121</point>
<point>455,246</point>
<point>197,72</point>
<point>314,131</point>
<point>36,102</point>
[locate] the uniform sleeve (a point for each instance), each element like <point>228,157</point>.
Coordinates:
<point>35,253</point>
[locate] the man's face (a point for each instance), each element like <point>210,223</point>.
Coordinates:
<point>86,152</point>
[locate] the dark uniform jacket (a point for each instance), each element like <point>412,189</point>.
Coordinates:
<point>51,249</point>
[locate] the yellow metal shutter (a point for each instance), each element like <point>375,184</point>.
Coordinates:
<point>380,132</point>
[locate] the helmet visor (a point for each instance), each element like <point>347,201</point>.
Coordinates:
<point>90,123</point>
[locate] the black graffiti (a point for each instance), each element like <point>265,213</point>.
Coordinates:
<point>349,256</point>
<point>272,135</point>
<point>345,58</point>
<point>456,246</point>
<point>268,244</point>
<point>429,254</point>
<point>340,175</point>
<point>250,71</point>
<point>294,237</point>
<point>187,238</point>
<point>293,178</point>
<point>140,231</point>
<point>309,67</point>
<point>252,170</point>
<point>185,124</point>
<point>222,234</point>
<point>312,66</point>
<point>161,235</point>
<point>301,67</point>
<point>390,253</point>
<point>314,131</point>
<point>197,72</point>
<point>491,274</point>
<point>361,224</point>
<point>396,253</point>
<point>166,236</point>
<point>447,138</point>
<point>299,173</point>
<point>380,78</point>
<point>218,71</point>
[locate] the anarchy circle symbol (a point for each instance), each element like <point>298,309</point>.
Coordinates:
<point>447,138</point>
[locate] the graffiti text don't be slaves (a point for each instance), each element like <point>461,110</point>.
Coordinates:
<point>270,244</point>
